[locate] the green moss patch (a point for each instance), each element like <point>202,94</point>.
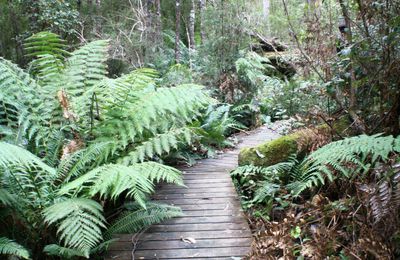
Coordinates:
<point>271,152</point>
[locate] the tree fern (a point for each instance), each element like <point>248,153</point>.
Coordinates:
<point>9,247</point>
<point>77,163</point>
<point>159,144</point>
<point>66,97</point>
<point>12,155</point>
<point>6,198</point>
<point>49,52</point>
<point>171,106</point>
<point>156,172</point>
<point>110,181</point>
<point>21,93</point>
<point>80,222</point>
<point>137,218</point>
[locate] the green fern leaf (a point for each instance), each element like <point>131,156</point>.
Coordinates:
<point>79,223</point>
<point>110,181</point>
<point>138,218</point>
<point>9,247</point>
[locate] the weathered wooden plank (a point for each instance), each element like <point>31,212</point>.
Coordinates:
<point>216,206</point>
<point>204,169</point>
<point>215,219</point>
<point>194,201</point>
<point>228,189</point>
<point>203,252</point>
<point>194,186</point>
<point>220,180</point>
<point>196,176</point>
<point>166,236</point>
<point>210,213</point>
<point>231,193</point>
<point>199,227</point>
<point>178,244</point>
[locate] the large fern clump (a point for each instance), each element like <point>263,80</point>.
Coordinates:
<point>75,143</point>
<point>348,185</point>
<point>357,159</point>
<point>354,157</point>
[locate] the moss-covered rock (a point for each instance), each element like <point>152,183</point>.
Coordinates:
<point>271,152</point>
<point>300,143</point>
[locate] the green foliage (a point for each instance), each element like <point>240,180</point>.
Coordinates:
<point>358,158</point>
<point>92,143</point>
<point>56,250</point>
<point>65,202</point>
<point>258,185</point>
<point>218,123</point>
<point>135,218</point>
<point>57,16</point>
<point>252,70</point>
<point>351,158</point>
<point>9,247</point>
<point>79,223</point>
<point>176,75</point>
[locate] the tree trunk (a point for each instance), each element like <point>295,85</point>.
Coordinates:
<point>266,5</point>
<point>158,22</point>
<point>177,29</point>
<point>201,13</point>
<point>358,123</point>
<point>192,20</point>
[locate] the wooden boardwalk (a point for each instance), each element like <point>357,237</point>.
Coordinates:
<point>212,219</point>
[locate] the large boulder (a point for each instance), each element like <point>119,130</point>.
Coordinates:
<point>299,143</point>
<point>271,152</point>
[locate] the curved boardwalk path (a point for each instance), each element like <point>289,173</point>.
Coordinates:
<point>212,213</point>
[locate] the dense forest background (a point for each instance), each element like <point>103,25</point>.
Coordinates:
<point>208,37</point>
<point>94,92</point>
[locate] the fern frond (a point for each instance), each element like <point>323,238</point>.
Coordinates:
<point>64,252</point>
<point>79,222</point>
<point>177,106</point>
<point>49,52</point>
<point>356,150</point>
<point>110,181</point>
<point>45,43</point>
<point>266,191</point>
<point>12,155</point>
<point>248,169</point>
<point>86,67</point>
<point>75,164</point>
<point>9,247</point>
<point>157,172</point>
<point>158,145</point>
<point>6,198</point>
<point>22,102</point>
<point>137,218</point>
